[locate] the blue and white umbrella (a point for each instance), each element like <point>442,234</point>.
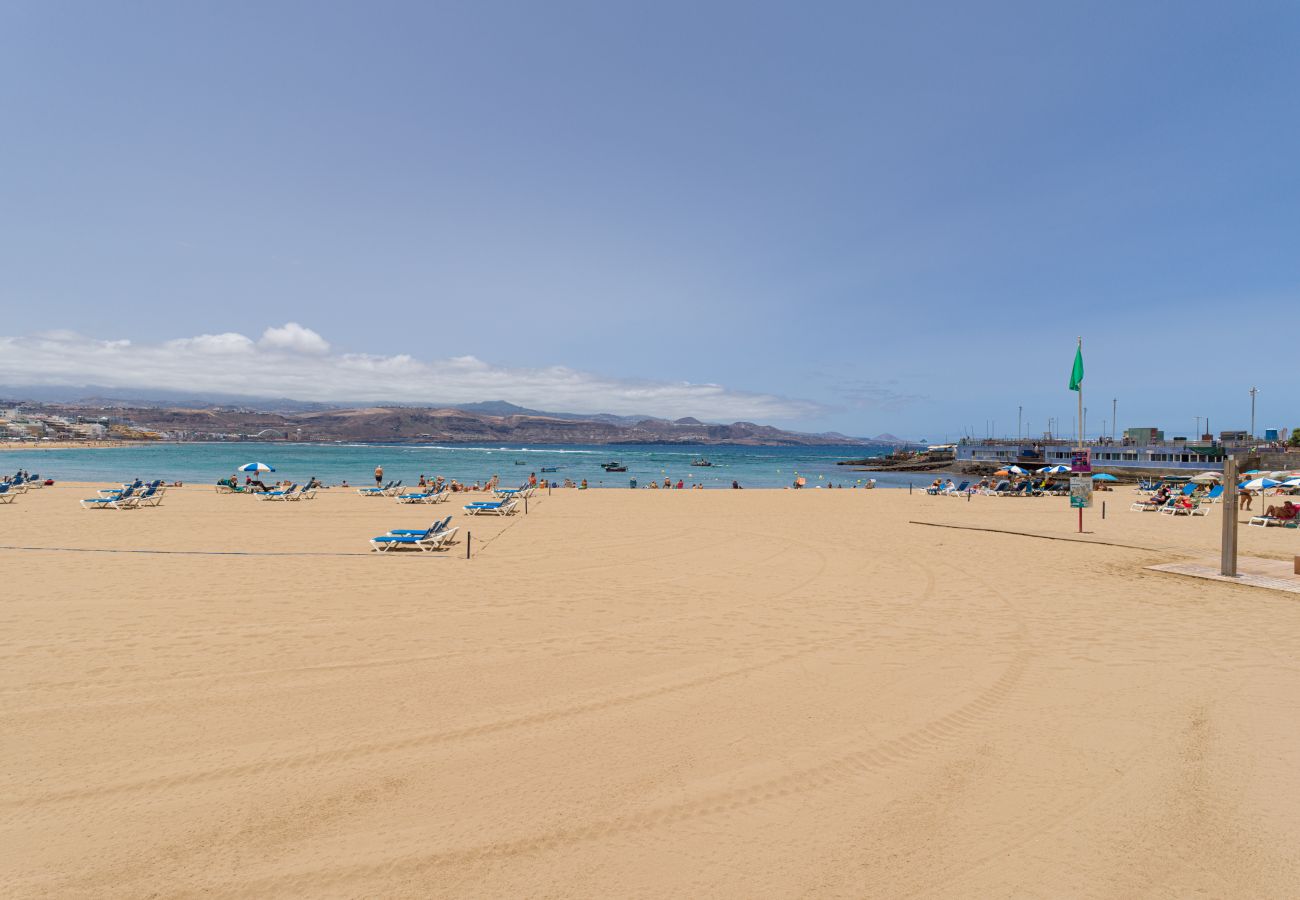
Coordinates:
<point>256,467</point>
<point>1016,470</point>
<point>1291,482</point>
<point>1053,470</point>
<point>1257,484</point>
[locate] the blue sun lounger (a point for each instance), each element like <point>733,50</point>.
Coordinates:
<point>124,500</point>
<point>432,538</point>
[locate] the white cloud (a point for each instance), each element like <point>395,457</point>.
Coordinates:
<point>229,342</point>
<point>296,362</point>
<point>293,336</point>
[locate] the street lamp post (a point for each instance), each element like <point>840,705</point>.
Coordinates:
<point>1253,392</point>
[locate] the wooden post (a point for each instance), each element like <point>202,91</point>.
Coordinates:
<point>1228,550</point>
<point>469,539</point>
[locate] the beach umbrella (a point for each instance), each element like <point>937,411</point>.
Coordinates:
<point>1258,484</point>
<point>1053,470</point>
<point>1103,476</point>
<point>1016,470</point>
<point>1207,477</point>
<point>256,467</point>
<point>1291,483</point>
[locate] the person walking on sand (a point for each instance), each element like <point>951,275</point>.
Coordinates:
<point>379,476</point>
<point>1247,498</point>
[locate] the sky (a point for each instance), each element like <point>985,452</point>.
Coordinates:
<point>860,217</point>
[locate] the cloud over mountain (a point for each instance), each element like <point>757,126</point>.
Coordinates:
<point>294,361</point>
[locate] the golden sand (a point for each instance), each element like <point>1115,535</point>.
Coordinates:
<point>635,694</point>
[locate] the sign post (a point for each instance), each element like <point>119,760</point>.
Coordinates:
<point>1080,495</point>
<point>1228,551</point>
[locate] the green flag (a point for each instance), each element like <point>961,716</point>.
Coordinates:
<point>1076,376</point>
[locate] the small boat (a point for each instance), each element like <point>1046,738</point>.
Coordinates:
<point>610,465</point>
<point>615,468</point>
<point>550,468</point>
<point>520,462</point>
<point>701,462</point>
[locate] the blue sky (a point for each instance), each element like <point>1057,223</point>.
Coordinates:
<point>860,217</point>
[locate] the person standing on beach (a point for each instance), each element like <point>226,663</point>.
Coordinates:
<point>379,476</point>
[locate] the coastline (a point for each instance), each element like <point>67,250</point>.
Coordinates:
<point>19,446</point>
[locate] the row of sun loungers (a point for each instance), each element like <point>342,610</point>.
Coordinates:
<point>436,537</point>
<point>392,489</point>
<point>20,484</point>
<point>428,495</point>
<point>293,492</point>
<point>128,496</point>
<point>439,535</point>
<point>492,508</point>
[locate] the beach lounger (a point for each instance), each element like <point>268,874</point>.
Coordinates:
<point>957,489</point>
<point>1270,521</point>
<point>436,526</point>
<point>505,508</point>
<point>1170,509</point>
<point>288,494</point>
<point>375,491</point>
<point>306,494</point>
<point>124,500</point>
<point>425,496</point>
<point>431,539</point>
<point>1215,494</point>
<point>7,495</point>
<point>151,496</point>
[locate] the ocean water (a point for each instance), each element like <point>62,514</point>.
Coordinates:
<point>752,467</point>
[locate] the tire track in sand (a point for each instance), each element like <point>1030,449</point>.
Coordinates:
<point>878,757</point>
<point>422,740</point>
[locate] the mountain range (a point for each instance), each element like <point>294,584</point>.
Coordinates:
<point>496,420</point>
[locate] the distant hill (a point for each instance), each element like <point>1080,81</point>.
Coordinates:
<point>506,423</point>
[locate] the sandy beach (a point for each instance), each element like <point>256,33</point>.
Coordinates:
<point>642,694</point>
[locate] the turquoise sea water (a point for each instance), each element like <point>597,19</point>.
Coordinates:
<point>753,467</point>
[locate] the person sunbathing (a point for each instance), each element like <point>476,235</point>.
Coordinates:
<point>1286,512</point>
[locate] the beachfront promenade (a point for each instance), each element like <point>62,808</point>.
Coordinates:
<point>643,694</point>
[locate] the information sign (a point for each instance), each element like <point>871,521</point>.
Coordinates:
<point>1080,492</point>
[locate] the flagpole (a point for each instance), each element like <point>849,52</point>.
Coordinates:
<point>1079,431</point>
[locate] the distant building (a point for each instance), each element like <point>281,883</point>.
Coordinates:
<point>1143,436</point>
